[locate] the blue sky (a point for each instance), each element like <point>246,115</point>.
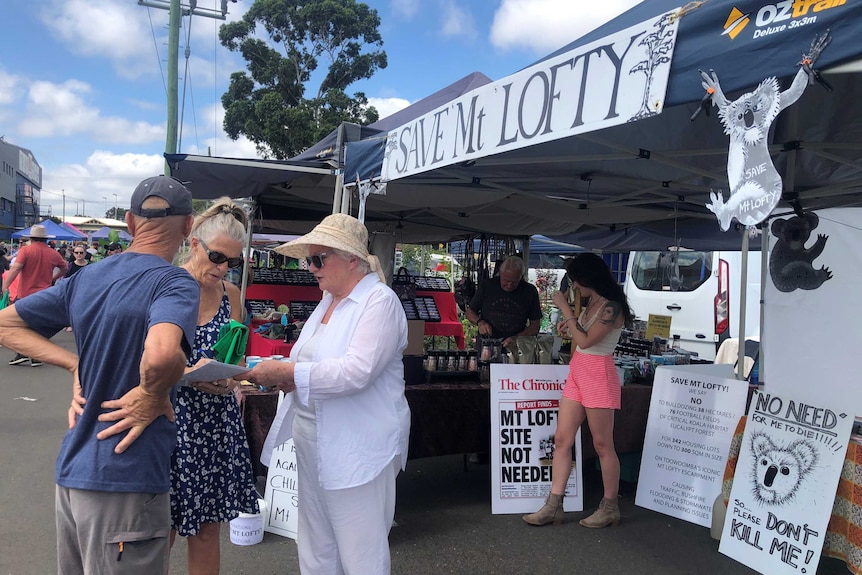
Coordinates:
<point>82,81</point>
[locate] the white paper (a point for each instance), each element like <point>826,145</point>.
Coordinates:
<point>212,371</point>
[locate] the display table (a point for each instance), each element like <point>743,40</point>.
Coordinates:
<point>283,294</point>
<point>844,534</point>
<point>453,417</point>
<point>449,324</point>
<point>265,347</point>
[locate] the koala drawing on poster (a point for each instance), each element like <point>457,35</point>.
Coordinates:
<point>791,264</point>
<point>755,185</point>
<point>779,471</point>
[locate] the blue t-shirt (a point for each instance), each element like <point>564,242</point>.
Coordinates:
<point>111,305</point>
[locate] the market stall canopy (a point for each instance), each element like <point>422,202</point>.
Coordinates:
<point>102,234</point>
<point>657,170</point>
<point>55,232</point>
<point>653,172</point>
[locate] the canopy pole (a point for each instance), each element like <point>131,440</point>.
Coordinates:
<point>764,277</point>
<point>743,288</point>
<point>247,263</point>
<point>338,194</point>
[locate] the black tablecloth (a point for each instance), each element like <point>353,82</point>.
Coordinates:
<point>454,417</point>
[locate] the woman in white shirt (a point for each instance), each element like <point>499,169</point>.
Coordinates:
<point>346,409</point>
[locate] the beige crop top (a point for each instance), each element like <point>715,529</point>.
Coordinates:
<point>607,344</point>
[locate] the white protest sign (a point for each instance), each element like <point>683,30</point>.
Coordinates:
<point>785,483</point>
<point>524,403</point>
<point>693,413</point>
<point>281,493</point>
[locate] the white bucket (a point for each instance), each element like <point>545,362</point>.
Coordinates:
<point>247,529</point>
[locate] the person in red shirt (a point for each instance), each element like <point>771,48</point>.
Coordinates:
<point>38,265</point>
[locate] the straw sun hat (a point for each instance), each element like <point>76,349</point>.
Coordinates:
<point>39,231</point>
<point>337,231</point>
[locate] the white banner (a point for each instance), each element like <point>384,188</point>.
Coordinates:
<point>693,413</point>
<point>811,335</point>
<point>611,81</point>
<point>785,483</point>
<point>524,404</point>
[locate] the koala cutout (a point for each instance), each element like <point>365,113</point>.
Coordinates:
<point>755,184</point>
<point>791,263</point>
<point>778,472</point>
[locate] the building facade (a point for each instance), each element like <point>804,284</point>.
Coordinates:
<point>20,189</point>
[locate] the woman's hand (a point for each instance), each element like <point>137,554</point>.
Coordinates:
<point>271,373</point>
<point>217,387</point>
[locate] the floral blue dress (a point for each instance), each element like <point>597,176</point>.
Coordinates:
<point>211,475</point>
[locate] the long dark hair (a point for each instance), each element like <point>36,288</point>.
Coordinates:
<point>590,271</point>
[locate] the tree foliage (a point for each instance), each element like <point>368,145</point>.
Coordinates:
<point>269,103</point>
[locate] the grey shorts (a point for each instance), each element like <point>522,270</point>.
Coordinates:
<point>104,533</point>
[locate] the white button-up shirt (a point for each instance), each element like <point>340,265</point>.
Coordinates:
<point>357,380</point>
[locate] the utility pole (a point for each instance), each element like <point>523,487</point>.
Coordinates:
<point>177,11</point>
<point>115,207</point>
<point>64,204</point>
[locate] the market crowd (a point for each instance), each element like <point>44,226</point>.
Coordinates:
<point>145,459</point>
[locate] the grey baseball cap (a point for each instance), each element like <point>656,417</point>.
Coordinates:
<point>172,191</point>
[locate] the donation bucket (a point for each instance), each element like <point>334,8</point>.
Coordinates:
<point>247,529</point>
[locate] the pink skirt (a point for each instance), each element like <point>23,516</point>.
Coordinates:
<point>593,381</point>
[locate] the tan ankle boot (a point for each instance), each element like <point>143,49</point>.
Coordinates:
<point>608,513</point>
<point>552,510</point>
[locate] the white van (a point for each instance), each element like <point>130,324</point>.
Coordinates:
<point>699,291</point>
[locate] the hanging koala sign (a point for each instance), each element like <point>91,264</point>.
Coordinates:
<point>755,184</point>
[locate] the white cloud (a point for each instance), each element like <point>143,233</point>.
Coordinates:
<point>388,106</point>
<point>456,20</point>
<point>406,9</point>
<point>92,185</point>
<point>545,25</point>
<point>62,110</point>
<point>116,29</point>
<point>11,88</point>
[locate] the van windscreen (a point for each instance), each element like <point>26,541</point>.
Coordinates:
<point>671,270</point>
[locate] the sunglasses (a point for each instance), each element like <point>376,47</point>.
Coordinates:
<point>317,260</point>
<point>78,253</point>
<point>219,258</point>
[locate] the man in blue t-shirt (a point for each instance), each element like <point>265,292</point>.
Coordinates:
<point>134,317</point>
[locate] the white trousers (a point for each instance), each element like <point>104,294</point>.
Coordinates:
<point>341,531</point>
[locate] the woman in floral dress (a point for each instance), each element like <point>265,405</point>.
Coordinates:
<point>211,474</point>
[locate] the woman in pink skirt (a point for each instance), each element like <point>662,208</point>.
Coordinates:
<point>592,389</point>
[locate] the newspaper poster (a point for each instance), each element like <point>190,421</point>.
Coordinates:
<point>525,400</point>
<point>790,461</point>
<point>281,493</point>
<point>693,413</point>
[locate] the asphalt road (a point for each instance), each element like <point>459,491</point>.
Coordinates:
<point>443,513</point>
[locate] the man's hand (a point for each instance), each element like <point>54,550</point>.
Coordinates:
<point>78,400</point>
<point>133,413</point>
<point>484,328</point>
<point>271,373</point>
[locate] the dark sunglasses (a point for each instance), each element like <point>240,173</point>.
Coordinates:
<point>318,260</point>
<point>219,258</point>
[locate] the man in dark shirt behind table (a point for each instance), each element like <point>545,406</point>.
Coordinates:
<point>134,317</point>
<point>504,304</point>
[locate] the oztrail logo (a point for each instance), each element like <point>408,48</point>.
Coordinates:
<point>778,17</point>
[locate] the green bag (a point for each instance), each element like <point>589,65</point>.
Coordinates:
<point>4,301</point>
<point>232,339</point>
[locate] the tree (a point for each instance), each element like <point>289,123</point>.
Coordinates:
<point>116,213</point>
<point>268,104</point>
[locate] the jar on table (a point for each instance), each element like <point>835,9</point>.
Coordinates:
<point>462,361</point>
<point>487,350</point>
<point>431,361</point>
<point>451,361</point>
<point>442,363</point>
<point>472,361</point>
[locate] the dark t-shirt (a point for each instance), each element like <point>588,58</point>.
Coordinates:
<point>111,306</point>
<point>507,312</point>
